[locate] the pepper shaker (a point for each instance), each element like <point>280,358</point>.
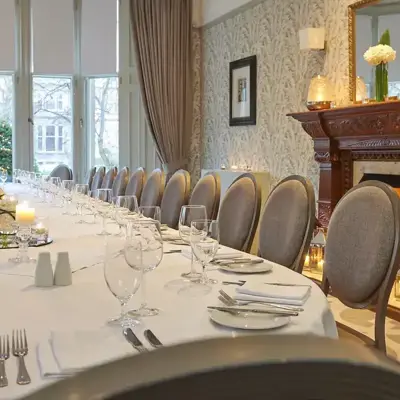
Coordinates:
<point>44,271</point>
<point>63,274</point>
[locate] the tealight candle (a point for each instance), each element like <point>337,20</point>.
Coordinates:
<point>234,167</point>
<point>24,215</point>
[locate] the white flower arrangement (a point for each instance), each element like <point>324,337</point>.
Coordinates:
<point>379,54</point>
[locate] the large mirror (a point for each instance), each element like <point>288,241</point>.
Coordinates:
<point>368,19</point>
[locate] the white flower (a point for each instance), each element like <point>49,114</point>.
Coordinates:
<point>379,54</point>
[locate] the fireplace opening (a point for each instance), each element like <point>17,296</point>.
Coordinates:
<point>392,180</point>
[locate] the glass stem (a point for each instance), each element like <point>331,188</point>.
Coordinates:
<point>205,277</point>
<point>143,289</point>
<point>192,271</point>
<point>104,224</point>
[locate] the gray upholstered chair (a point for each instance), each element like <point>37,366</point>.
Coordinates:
<point>287,223</point>
<point>153,189</point>
<point>176,195</point>
<point>239,213</point>
<point>120,182</point>
<point>62,172</point>
<point>89,177</point>
<point>109,177</point>
<point>136,184</point>
<point>244,367</point>
<point>207,192</point>
<point>98,179</point>
<point>362,254</point>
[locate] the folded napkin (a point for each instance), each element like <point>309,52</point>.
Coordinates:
<point>290,295</point>
<point>222,254</point>
<point>70,352</point>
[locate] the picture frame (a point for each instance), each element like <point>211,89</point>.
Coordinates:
<point>243,91</point>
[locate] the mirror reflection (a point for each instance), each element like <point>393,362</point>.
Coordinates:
<point>371,23</point>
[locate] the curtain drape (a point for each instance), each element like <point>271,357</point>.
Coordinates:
<point>162,34</point>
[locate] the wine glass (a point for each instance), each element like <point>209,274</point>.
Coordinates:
<point>187,215</point>
<point>80,194</point>
<point>124,205</point>
<point>68,187</point>
<point>3,176</point>
<point>147,233</point>
<point>122,280</point>
<point>104,208</point>
<point>153,212</point>
<point>204,240</point>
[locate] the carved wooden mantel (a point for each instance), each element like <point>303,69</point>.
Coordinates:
<point>343,135</point>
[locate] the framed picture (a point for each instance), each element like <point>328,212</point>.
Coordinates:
<point>243,91</point>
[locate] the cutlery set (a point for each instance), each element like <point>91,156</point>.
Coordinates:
<point>19,349</point>
<point>241,283</point>
<point>137,344</point>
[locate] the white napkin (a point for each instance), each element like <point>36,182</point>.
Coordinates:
<point>291,295</point>
<point>222,254</point>
<point>69,352</point>
<point>170,235</point>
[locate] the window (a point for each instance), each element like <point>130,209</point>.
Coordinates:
<point>53,140</point>
<point>103,118</point>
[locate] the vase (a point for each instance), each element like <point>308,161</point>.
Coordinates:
<point>381,82</point>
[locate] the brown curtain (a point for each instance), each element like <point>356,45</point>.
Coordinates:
<point>162,33</point>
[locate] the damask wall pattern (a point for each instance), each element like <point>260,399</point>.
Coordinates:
<point>277,143</point>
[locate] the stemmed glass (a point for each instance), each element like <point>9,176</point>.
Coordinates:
<point>147,233</point>
<point>153,212</point>
<point>103,207</point>
<point>81,191</point>
<point>188,214</point>
<point>68,187</point>
<point>3,176</point>
<point>23,237</point>
<point>125,208</point>
<point>122,280</point>
<point>204,240</point>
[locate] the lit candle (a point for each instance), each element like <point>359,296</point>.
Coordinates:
<point>24,215</point>
<point>307,261</point>
<point>234,167</point>
<point>320,264</point>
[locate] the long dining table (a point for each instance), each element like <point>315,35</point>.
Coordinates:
<point>88,303</point>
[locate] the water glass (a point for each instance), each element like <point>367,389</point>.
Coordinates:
<point>3,176</point>
<point>125,208</point>
<point>68,187</point>
<point>153,212</point>
<point>187,215</point>
<point>122,280</point>
<point>147,233</point>
<point>80,198</point>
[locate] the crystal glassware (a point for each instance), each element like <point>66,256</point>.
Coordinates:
<point>3,176</point>
<point>153,212</point>
<point>23,237</point>
<point>67,188</point>
<point>147,233</point>
<point>124,206</point>
<point>122,280</point>
<point>187,215</point>
<point>204,241</point>
<point>104,207</point>
<point>80,195</point>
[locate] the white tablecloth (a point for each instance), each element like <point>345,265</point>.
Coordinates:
<point>88,303</point>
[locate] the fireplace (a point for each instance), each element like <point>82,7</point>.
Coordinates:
<point>345,137</point>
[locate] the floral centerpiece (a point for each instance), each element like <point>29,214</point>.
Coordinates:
<point>379,56</point>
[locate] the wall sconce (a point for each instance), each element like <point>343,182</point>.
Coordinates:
<point>361,90</point>
<point>312,38</point>
<point>320,93</point>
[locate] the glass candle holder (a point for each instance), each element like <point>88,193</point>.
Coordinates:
<point>23,237</point>
<point>320,93</point>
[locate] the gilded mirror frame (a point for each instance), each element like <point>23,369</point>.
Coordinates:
<point>352,43</point>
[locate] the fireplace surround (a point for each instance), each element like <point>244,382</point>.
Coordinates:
<point>367,132</point>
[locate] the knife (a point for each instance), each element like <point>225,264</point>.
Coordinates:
<point>134,340</point>
<point>241,310</point>
<point>247,261</point>
<point>152,338</point>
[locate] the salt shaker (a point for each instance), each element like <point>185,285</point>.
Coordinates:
<point>44,271</point>
<point>63,274</point>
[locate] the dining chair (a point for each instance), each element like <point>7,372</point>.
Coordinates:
<point>287,223</point>
<point>62,172</point>
<point>98,179</point>
<point>239,213</point>
<point>120,182</point>
<point>89,177</point>
<point>207,192</point>
<point>244,367</point>
<point>362,253</point>
<point>153,189</point>
<point>109,177</point>
<point>136,184</point>
<point>176,195</point>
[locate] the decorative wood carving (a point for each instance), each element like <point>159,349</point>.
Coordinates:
<point>344,135</point>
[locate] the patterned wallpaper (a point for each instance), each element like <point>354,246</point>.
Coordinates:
<point>270,30</point>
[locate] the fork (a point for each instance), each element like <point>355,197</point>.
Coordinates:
<point>4,355</point>
<point>20,350</point>
<point>234,302</point>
